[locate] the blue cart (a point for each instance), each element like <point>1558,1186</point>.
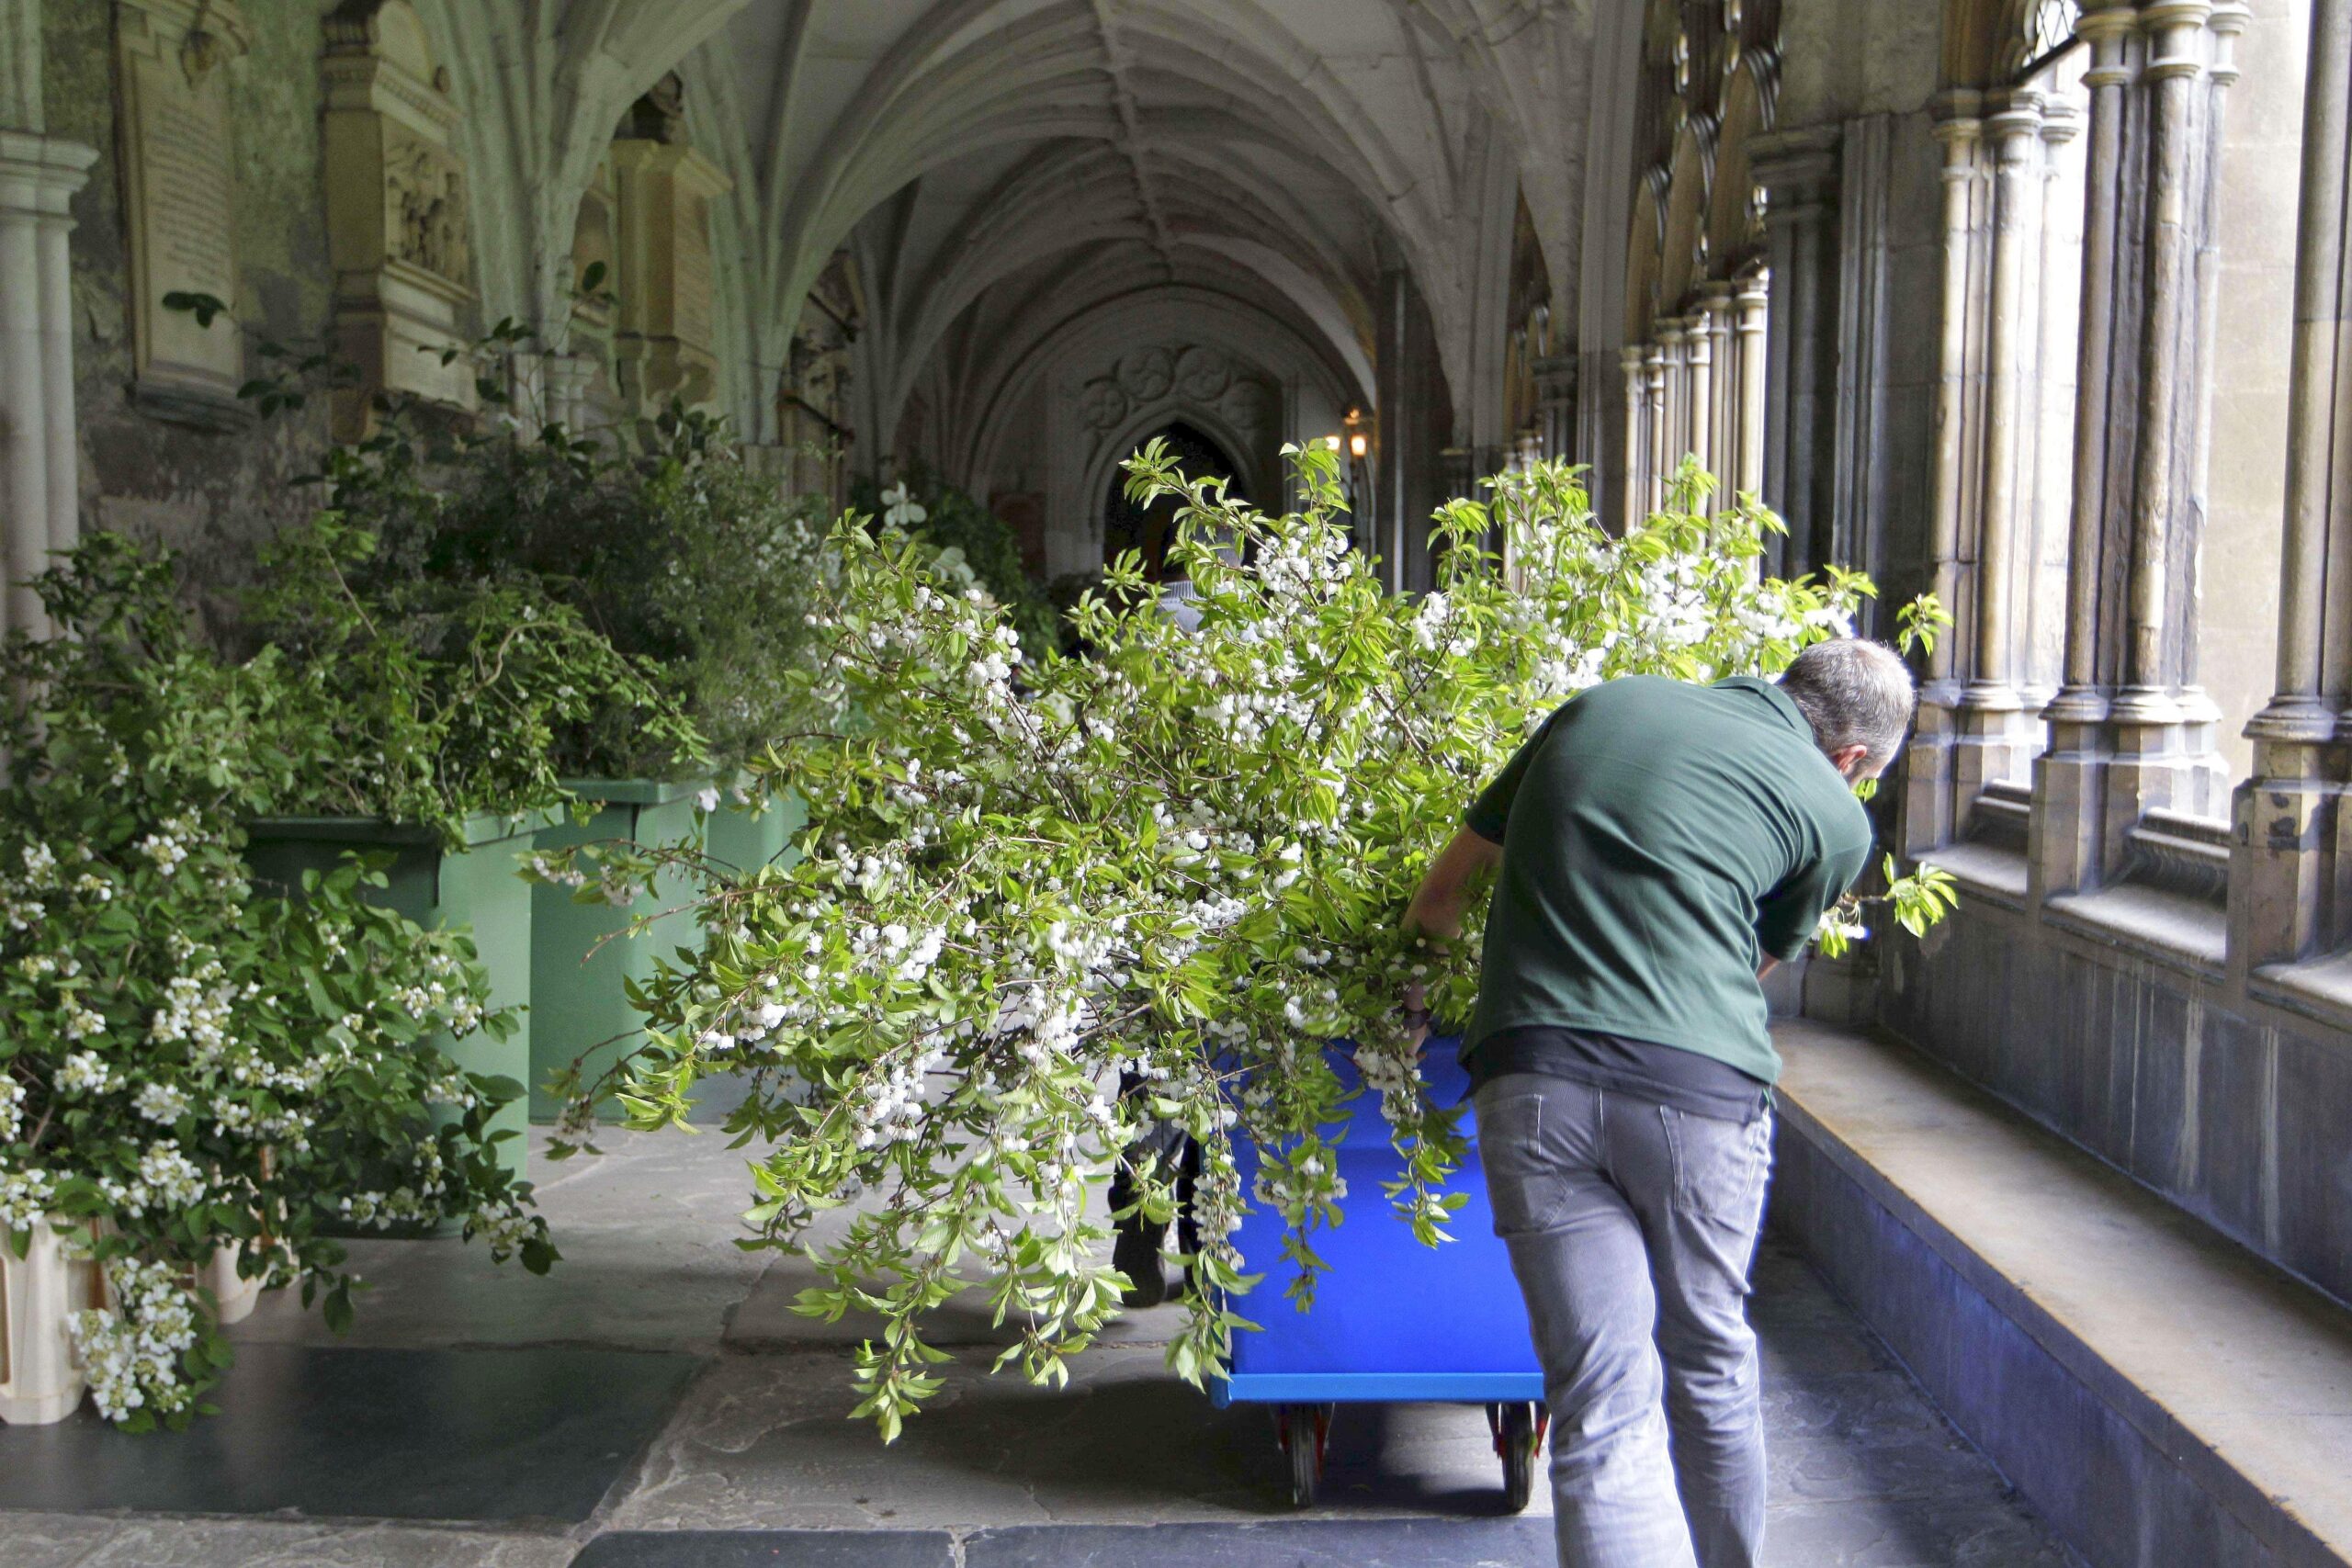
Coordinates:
<point>1393,1321</point>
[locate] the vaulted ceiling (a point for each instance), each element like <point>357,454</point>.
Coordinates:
<point>1002,167</point>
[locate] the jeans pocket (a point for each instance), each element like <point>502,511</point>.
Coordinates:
<point>1527,1191</point>
<point>1719,1166</point>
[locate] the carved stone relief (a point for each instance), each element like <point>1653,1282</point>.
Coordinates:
<point>399,223</point>
<point>1202,373</point>
<point>1101,404</point>
<point>1146,374</point>
<point>425,192</point>
<point>1193,372</point>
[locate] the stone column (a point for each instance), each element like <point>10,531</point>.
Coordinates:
<point>1928,818</point>
<point>1660,464</point>
<point>2070,775</point>
<point>1555,405</point>
<point>2050,460</point>
<point>1722,386</point>
<point>2153,766</point>
<point>39,463</point>
<point>1673,440</point>
<point>1751,305</point>
<point>1798,171</point>
<point>2287,816</point>
<point>1633,360</point>
<point>1860,477</point>
<point>1699,389</point>
<point>1992,726</point>
<point>2208,785</point>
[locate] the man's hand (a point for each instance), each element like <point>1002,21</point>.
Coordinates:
<point>1444,895</point>
<point>1437,910</point>
<point>1417,1013</point>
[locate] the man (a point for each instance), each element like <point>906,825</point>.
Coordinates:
<point>1661,847</point>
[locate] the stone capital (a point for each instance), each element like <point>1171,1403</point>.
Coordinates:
<point>2173,27</point>
<point>1798,169</point>
<point>2060,121</point>
<point>2016,125</point>
<point>40,175</point>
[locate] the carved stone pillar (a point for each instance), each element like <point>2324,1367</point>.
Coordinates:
<point>1720,402</point>
<point>1698,390</point>
<point>1750,306</point>
<point>1861,480</point>
<point>1672,440</point>
<point>2285,899</point>
<point>1992,730</point>
<point>1797,170</point>
<point>2069,809</point>
<point>2050,462</point>
<point>38,454</point>
<point>2156,764</point>
<point>2209,784</point>
<point>1928,807</point>
<point>1633,362</point>
<point>1658,466</point>
<point>1555,405</point>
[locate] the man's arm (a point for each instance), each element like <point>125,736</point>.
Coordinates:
<point>1443,896</point>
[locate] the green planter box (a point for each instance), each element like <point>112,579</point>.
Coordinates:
<point>747,842</point>
<point>477,886</point>
<point>582,956</point>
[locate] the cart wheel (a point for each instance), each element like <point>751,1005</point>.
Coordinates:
<point>1518,1438</point>
<point>1303,1430</point>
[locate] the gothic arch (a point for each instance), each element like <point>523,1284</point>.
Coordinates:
<point>1735,226</point>
<point>1682,248</point>
<point>1643,260</point>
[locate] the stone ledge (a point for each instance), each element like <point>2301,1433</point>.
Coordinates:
<point>2161,1396</point>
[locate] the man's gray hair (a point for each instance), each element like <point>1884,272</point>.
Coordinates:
<point>1853,694</point>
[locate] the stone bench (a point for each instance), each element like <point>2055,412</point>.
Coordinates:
<point>2163,1398</point>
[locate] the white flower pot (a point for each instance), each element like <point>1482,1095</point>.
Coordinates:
<point>40,1375</point>
<point>236,1294</point>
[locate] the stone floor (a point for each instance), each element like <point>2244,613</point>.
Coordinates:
<point>654,1403</point>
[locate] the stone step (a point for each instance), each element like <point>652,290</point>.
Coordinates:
<point>2163,1398</point>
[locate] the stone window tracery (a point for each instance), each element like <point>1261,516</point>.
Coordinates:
<point>1695,366</point>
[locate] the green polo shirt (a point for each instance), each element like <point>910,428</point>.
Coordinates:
<point>1659,839</point>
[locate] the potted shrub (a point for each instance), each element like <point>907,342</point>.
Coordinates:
<point>441,704</point>
<point>1180,861</point>
<point>200,1078</point>
<point>697,571</point>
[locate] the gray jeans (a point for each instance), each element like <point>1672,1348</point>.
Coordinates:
<point>1632,1226</point>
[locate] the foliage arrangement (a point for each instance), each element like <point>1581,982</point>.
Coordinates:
<point>1182,859</point>
<point>608,605</point>
<point>185,1066</point>
<point>975,547</point>
<point>693,568</point>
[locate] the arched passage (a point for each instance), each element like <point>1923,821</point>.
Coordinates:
<point>1148,529</point>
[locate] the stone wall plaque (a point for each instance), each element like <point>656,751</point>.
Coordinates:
<point>664,340</point>
<point>179,200</point>
<point>813,397</point>
<point>399,212</point>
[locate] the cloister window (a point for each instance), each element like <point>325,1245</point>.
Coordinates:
<point>1696,375</point>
